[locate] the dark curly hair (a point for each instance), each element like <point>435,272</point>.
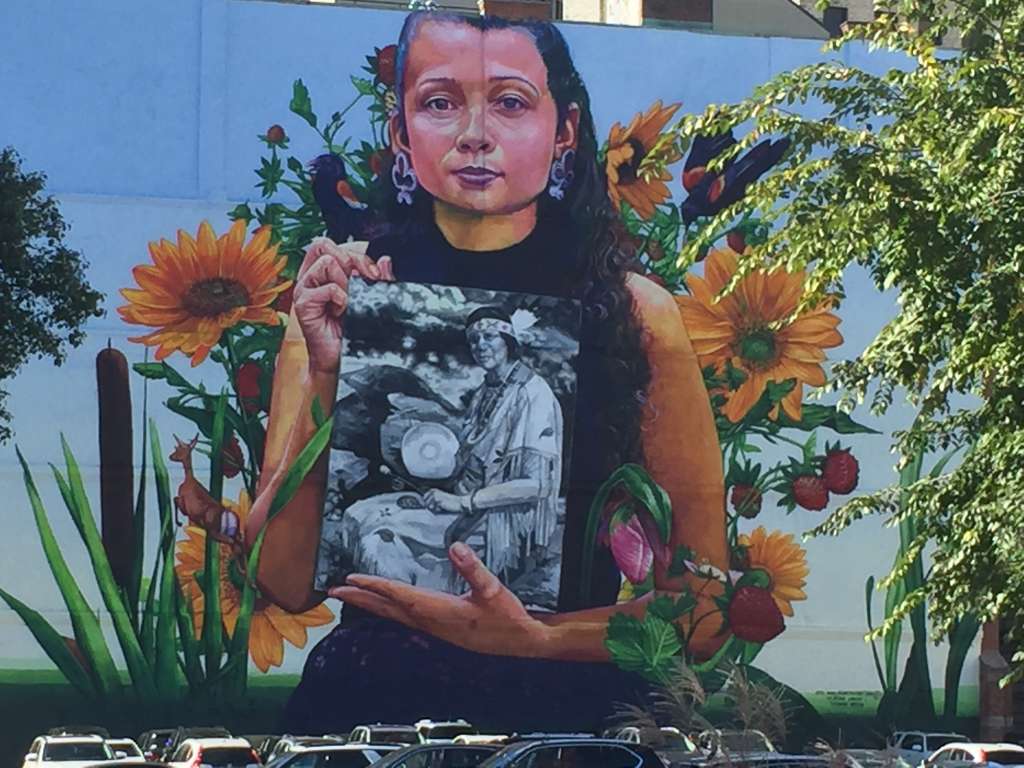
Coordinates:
<point>614,371</point>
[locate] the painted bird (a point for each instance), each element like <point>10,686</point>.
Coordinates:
<point>346,217</point>
<point>712,192</point>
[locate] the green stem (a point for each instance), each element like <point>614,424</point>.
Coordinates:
<point>250,441</point>
<point>329,140</point>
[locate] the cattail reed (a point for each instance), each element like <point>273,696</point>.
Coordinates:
<point>116,465</point>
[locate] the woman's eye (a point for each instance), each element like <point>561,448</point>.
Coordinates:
<point>511,103</point>
<point>440,104</point>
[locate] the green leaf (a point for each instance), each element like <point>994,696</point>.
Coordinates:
<point>363,86</point>
<point>301,104</point>
<point>213,622</point>
<point>164,641</point>
<point>647,646</point>
<point>163,371</point>
<point>813,416</point>
<point>53,645</point>
<point>86,626</point>
<point>78,506</point>
<point>869,590</point>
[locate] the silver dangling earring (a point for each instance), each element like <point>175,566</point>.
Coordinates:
<point>561,174</point>
<point>403,177</point>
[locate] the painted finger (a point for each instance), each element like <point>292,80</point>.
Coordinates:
<point>404,595</point>
<point>329,299</point>
<point>482,583</point>
<point>325,269</point>
<point>317,248</point>
<point>387,269</point>
<point>369,601</point>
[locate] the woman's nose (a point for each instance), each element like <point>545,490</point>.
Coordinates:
<point>474,137</point>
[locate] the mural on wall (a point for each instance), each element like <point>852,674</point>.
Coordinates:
<point>595,502</point>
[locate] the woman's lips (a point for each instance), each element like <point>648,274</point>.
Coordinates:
<point>476,177</point>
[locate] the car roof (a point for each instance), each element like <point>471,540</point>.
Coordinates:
<point>74,738</point>
<point>344,748</point>
<point>986,745</point>
<point>217,742</point>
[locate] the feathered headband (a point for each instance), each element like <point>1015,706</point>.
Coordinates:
<point>521,321</point>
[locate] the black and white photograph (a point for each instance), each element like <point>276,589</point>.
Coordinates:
<point>452,422</point>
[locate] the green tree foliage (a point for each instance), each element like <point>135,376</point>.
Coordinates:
<point>44,296</point>
<point>916,175</point>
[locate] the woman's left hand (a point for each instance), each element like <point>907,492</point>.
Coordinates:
<point>486,619</point>
<point>439,501</point>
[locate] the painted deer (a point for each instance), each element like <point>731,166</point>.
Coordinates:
<point>195,503</point>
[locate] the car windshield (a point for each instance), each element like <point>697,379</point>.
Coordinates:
<point>76,750</point>
<point>221,757</point>
<point>128,747</point>
<point>449,731</point>
<point>395,736</point>
<point>937,740</point>
<point>1006,757</point>
<point>346,758</point>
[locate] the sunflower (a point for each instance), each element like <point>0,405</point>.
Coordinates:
<point>627,147</point>
<point>196,289</point>
<point>785,562</point>
<point>270,626</point>
<point>752,328</point>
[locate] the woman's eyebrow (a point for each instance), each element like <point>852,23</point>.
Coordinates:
<point>449,81</point>
<point>523,80</point>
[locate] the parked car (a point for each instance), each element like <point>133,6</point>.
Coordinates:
<point>669,743</point>
<point>182,733</point>
<point>915,746</point>
<point>574,753</point>
<point>67,752</point>
<point>384,734</point>
<point>263,744</point>
<point>439,756</point>
<point>126,750</point>
<point>335,756</point>
<point>746,742</point>
<point>154,743</point>
<point>215,753</point>
<point>443,731</point>
<point>79,730</point>
<point>961,754</point>
<point>289,743</point>
<point>481,738</point>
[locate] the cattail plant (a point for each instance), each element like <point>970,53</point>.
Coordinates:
<point>117,480</point>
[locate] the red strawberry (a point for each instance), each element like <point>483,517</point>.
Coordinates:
<point>231,457</point>
<point>736,241</point>
<point>841,470</point>
<point>386,57</point>
<point>275,134</point>
<point>746,500</point>
<point>810,492</point>
<point>754,615</point>
<point>247,384</point>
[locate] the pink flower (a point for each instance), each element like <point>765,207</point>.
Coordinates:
<point>632,550</point>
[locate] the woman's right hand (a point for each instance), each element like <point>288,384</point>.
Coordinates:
<point>321,295</point>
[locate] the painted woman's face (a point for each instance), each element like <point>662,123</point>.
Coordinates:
<point>481,126</point>
<point>488,347</point>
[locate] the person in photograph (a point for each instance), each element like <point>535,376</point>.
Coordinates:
<point>511,450</point>
<point>496,184</point>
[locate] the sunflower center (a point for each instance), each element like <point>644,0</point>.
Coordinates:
<point>211,297</point>
<point>758,346</point>
<point>628,169</point>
